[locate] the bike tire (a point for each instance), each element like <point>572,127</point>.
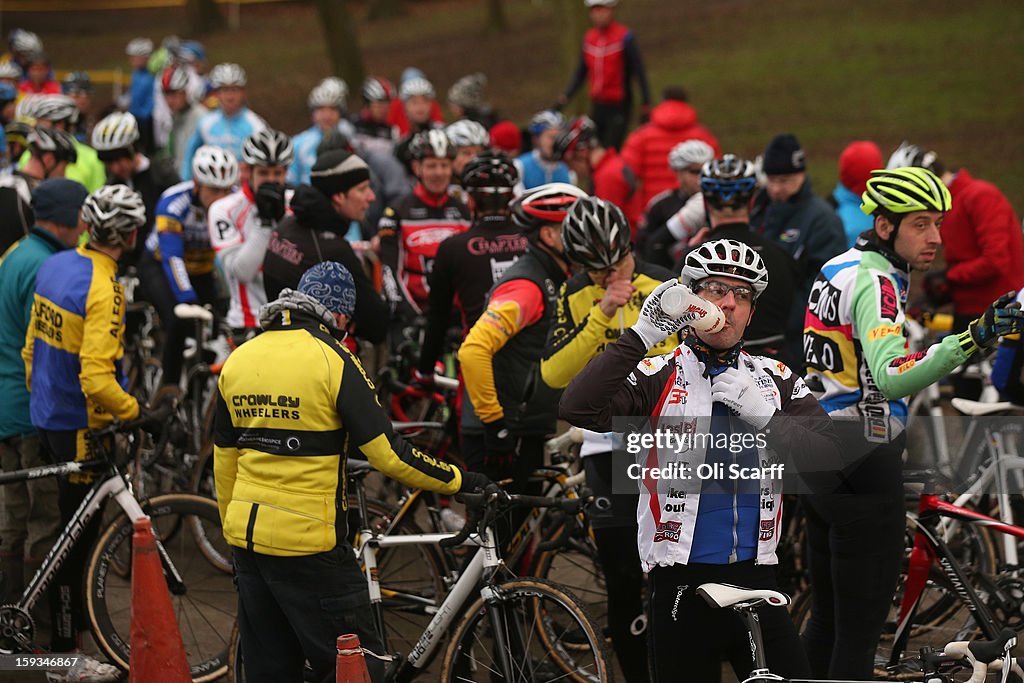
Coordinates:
<point>540,618</point>
<point>189,529</point>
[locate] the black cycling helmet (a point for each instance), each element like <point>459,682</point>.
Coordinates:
<point>580,134</point>
<point>431,143</point>
<point>728,183</point>
<point>489,178</point>
<point>267,147</point>
<point>595,233</point>
<point>544,205</point>
<point>57,142</point>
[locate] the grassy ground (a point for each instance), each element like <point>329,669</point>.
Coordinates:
<point>947,75</point>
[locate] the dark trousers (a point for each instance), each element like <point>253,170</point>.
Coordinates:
<point>856,544</point>
<point>612,121</point>
<point>292,609</point>
<point>613,520</point>
<point>158,291</point>
<point>688,638</point>
<point>67,600</point>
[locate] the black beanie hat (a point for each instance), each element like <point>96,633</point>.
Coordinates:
<point>783,155</point>
<point>338,171</point>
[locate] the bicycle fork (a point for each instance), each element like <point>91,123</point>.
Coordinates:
<point>124,497</point>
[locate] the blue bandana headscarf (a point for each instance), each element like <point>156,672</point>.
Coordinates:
<point>332,285</point>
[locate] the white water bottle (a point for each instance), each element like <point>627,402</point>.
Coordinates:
<point>680,303</point>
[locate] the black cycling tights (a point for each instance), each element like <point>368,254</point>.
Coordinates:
<point>856,544</point>
<point>689,639</point>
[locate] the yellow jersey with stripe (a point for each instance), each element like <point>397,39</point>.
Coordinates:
<point>294,403</point>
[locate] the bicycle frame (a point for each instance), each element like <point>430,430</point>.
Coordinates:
<point>487,560</point>
<point>930,547</point>
<point>114,486</point>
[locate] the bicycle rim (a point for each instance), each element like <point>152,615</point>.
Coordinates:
<point>189,529</point>
<point>549,637</point>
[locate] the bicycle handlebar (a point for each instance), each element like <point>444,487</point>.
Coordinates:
<point>493,499</point>
<point>985,654</point>
<point>158,415</point>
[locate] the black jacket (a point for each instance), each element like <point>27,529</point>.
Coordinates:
<point>314,233</point>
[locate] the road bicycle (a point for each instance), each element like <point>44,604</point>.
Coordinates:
<point>193,553</point>
<point>934,666</point>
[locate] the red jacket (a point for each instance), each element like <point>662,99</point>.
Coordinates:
<point>615,181</point>
<point>48,87</point>
<point>398,117</point>
<point>604,51</point>
<point>646,149</point>
<point>983,247</point>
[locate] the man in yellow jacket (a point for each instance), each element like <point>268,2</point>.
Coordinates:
<point>293,404</point>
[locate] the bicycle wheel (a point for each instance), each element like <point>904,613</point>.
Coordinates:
<point>189,529</point>
<point>548,637</point>
<point>577,566</point>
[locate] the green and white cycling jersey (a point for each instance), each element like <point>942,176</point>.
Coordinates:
<point>855,347</point>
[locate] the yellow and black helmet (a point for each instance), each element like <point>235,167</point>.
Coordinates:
<point>903,190</point>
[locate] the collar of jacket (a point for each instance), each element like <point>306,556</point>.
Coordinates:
<point>313,210</point>
<point>433,200</point>
<point>870,241</point>
<point>298,306</point>
<point>50,240</point>
<point>714,360</point>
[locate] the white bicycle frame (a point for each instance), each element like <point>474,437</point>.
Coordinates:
<point>460,594</point>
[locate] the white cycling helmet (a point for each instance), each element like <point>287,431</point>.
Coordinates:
<point>690,153</point>
<point>55,108</point>
<point>725,258</point>
<point>908,154</point>
<point>117,131</point>
<point>112,212</point>
<point>24,42</point>
<point>467,133</point>
<point>9,69</point>
<point>215,167</point>
<point>139,47</point>
<point>267,147</point>
<point>600,3</point>
<point>330,92</point>
<point>227,75</point>
<point>415,86</point>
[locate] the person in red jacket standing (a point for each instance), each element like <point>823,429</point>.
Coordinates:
<point>611,60</point>
<point>598,168</point>
<point>673,121</point>
<point>982,243</point>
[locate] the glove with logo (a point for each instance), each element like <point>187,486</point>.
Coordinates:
<point>654,325</point>
<point>474,481</point>
<point>499,445</point>
<point>738,391</point>
<point>1002,317</point>
<point>270,203</point>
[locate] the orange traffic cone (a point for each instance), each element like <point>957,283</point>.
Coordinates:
<point>157,652</point>
<point>351,664</point>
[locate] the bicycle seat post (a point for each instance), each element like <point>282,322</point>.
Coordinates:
<point>748,613</point>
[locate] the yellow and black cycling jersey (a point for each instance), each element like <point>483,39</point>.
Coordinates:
<point>73,345</point>
<point>582,330</point>
<point>293,404</point>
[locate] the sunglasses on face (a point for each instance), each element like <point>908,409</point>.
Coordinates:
<point>716,290</point>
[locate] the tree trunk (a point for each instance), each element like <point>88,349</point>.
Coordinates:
<point>342,38</point>
<point>572,15</point>
<point>496,22</point>
<point>204,16</point>
<point>383,9</point>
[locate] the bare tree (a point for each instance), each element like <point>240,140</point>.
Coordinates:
<point>496,21</point>
<point>342,38</point>
<point>383,9</point>
<point>572,15</point>
<point>203,16</point>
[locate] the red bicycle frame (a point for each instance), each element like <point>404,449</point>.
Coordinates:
<point>928,548</point>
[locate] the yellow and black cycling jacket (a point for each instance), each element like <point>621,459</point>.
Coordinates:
<point>582,330</point>
<point>292,404</point>
<point>74,345</point>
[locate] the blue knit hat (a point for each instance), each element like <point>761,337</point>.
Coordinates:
<point>332,285</point>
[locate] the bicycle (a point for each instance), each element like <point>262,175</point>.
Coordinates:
<point>192,550</point>
<point>935,666</point>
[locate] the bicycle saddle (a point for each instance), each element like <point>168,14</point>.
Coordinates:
<point>968,407</point>
<point>357,468</point>
<point>724,595</point>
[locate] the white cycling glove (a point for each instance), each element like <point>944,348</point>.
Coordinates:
<point>738,391</point>
<point>654,325</point>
